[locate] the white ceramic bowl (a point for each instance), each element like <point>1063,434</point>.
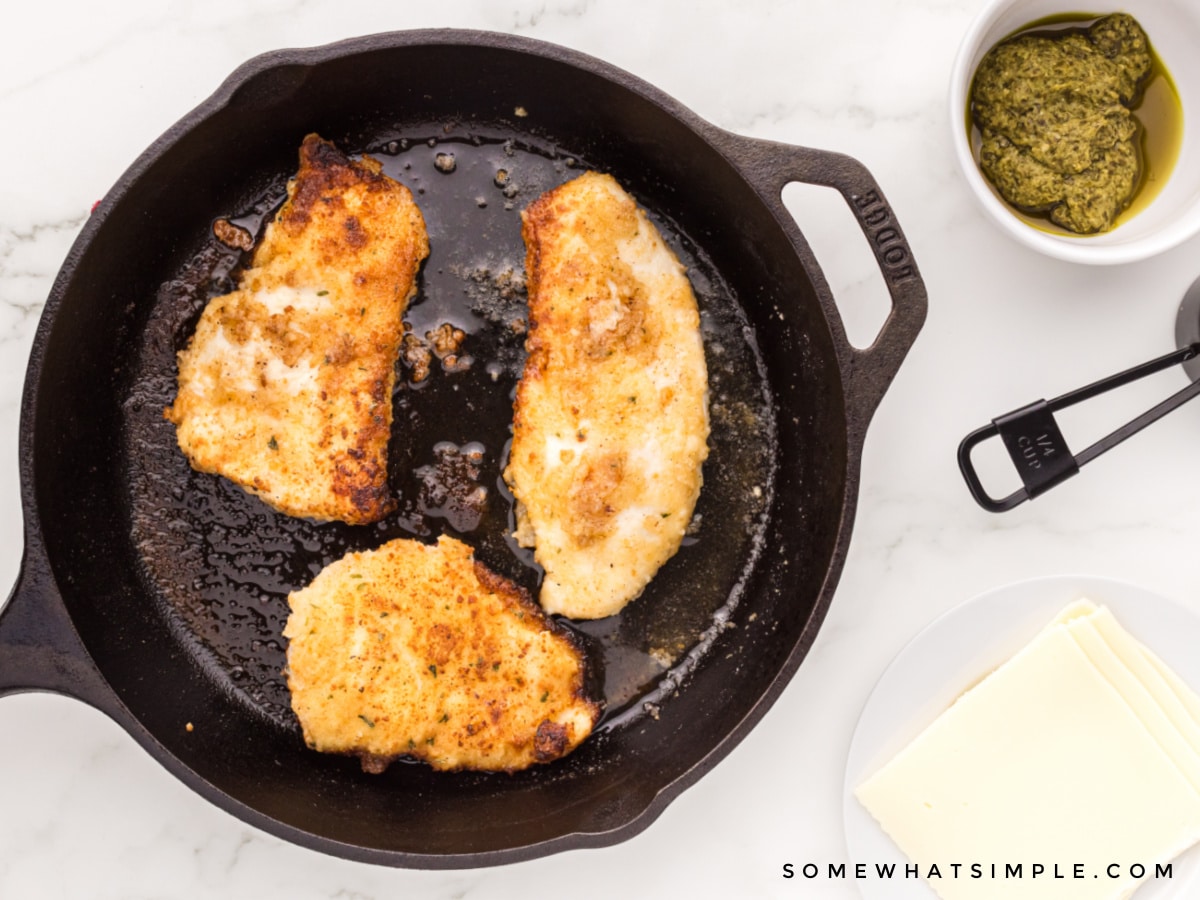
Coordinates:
<point>1173,27</point>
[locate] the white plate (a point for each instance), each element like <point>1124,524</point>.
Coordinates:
<point>955,652</point>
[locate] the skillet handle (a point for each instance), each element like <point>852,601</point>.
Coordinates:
<point>771,166</point>
<point>39,647</point>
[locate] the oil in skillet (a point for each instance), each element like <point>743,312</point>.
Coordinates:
<point>474,279</point>
<point>1158,111</point>
<point>223,563</point>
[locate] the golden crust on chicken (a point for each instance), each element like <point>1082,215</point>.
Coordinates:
<point>418,650</point>
<point>610,422</point>
<point>286,386</point>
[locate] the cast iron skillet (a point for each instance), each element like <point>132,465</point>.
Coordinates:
<point>157,594</point>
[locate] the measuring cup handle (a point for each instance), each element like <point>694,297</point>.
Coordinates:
<point>1036,445</point>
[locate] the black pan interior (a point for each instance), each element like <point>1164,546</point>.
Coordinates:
<point>177,581</point>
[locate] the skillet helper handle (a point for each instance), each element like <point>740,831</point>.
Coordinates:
<point>39,647</point>
<point>772,166</point>
<point>1036,445</point>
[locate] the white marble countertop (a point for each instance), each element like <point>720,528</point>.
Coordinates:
<point>85,87</point>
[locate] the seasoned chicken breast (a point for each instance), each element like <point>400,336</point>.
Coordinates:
<point>610,423</point>
<point>418,650</point>
<point>286,386</point>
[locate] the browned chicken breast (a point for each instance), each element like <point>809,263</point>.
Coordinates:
<point>611,420</point>
<point>418,650</point>
<point>286,385</point>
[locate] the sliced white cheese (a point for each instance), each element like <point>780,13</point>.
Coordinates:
<point>1161,725</point>
<point>1176,698</point>
<point>1042,763</point>
<point>1179,702</point>
<point>1074,610</point>
<point>1185,695</point>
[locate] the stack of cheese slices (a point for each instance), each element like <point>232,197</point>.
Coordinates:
<point>1080,756</point>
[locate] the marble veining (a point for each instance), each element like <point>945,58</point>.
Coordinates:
<point>84,88</point>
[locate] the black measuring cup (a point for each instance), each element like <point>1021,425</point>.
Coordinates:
<point>1035,443</point>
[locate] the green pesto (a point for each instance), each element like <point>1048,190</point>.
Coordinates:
<point>1054,112</point>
